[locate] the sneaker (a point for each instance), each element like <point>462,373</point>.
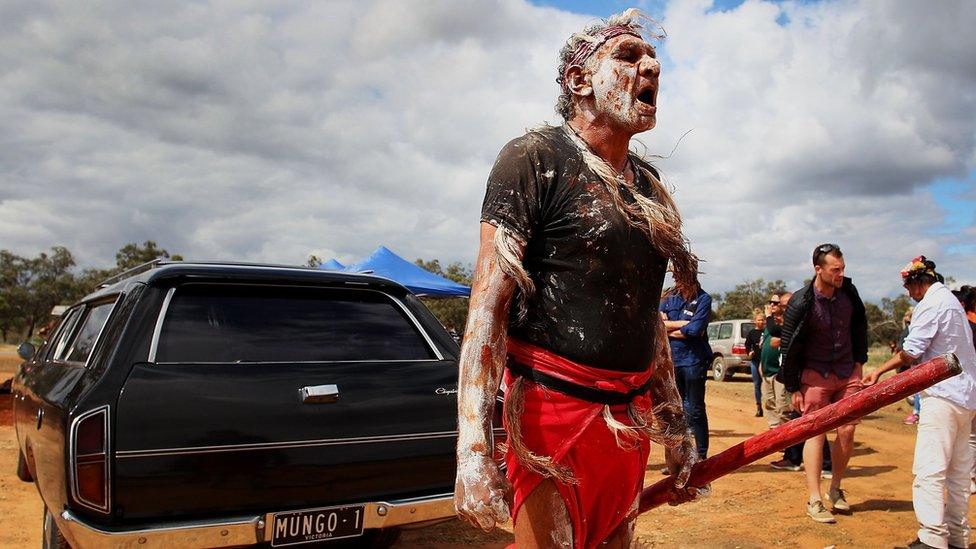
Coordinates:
<point>911,419</point>
<point>826,474</point>
<point>785,465</point>
<point>837,500</point>
<point>819,513</point>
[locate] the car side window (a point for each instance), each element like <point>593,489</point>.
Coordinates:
<point>59,344</point>
<point>746,327</point>
<point>712,331</point>
<point>207,323</point>
<point>725,330</point>
<point>94,319</point>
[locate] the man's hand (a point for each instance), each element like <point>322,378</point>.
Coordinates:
<point>871,378</point>
<point>680,460</point>
<point>797,399</point>
<point>481,492</point>
<point>901,358</point>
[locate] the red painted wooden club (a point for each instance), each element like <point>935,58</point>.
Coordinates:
<point>825,419</point>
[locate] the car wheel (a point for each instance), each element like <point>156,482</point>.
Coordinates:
<point>720,372</point>
<point>52,538</point>
<point>23,473</point>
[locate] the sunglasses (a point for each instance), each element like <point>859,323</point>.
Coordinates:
<point>825,249</point>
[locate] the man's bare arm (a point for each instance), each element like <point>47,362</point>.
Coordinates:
<point>897,360</point>
<point>480,489</point>
<point>675,324</point>
<point>669,417</point>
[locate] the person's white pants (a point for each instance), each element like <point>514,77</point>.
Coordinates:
<point>943,463</point>
<point>776,401</point>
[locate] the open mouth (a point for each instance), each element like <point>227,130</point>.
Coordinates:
<point>646,97</point>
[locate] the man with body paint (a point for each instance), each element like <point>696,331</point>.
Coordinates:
<point>576,235</point>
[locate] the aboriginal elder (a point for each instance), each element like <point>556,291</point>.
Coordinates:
<point>576,235</point>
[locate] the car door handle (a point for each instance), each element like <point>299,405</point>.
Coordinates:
<point>319,394</point>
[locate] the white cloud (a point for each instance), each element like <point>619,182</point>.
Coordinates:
<point>822,129</point>
<point>264,132</point>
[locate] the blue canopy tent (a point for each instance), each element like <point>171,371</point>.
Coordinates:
<point>385,263</point>
<point>332,265</point>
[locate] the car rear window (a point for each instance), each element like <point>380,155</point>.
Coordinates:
<point>712,331</point>
<point>91,326</point>
<point>239,323</point>
<point>745,328</point>
<point>725,330</point>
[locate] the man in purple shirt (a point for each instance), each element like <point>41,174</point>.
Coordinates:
<point>824,344</point>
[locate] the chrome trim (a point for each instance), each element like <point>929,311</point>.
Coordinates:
<point>73,458</point>
<point>312,361</point>
<point>157,330</point>
<point>98,336</point>
<point>246,530</point>
<point>320,394</point>
<point>154,344</point>
<point>66,330</point>
<point>416,323</point>
<point>123,454</point>
<point>224,533</point>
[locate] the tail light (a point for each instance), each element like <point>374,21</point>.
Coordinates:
<point>89,459</point>
<point>739,349</point>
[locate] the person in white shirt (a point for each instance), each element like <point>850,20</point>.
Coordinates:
<point>943,457</point>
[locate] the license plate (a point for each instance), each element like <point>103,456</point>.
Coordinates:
<point>316,525</point>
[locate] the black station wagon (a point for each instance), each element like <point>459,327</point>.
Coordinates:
<point>211,405</point>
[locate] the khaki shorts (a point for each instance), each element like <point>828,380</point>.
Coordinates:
<point>819,391</point>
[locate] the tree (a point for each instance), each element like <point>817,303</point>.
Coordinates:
<point>132,255</point>
<point>881,328</point>
<point>128,257</point>
<point>51,283</point>
<point>31,287</point>
<point>746,297</point>
<point>313,261</point>
<point>13,292</point>
<point>884,328</point>
<point>452,311</point>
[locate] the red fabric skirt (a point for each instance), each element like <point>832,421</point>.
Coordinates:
<point>574,434</point>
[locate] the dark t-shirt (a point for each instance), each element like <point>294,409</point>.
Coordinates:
<point>754,344</point>
<point>598,279</point>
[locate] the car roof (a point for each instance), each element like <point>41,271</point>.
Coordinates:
<point>167,273</point>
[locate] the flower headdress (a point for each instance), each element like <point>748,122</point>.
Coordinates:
<point>917,268</point>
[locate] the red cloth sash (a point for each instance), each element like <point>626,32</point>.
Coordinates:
<point>572,432</point>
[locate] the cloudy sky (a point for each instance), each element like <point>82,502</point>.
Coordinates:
<point>268,131</point>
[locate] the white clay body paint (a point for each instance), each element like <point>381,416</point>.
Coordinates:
<point>480,488</point>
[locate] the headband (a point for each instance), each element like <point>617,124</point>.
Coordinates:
<point>587,47</point>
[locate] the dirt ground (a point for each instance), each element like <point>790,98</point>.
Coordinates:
<point>754,507</point>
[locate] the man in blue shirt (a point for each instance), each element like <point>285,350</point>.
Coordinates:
<point>685,311</point>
